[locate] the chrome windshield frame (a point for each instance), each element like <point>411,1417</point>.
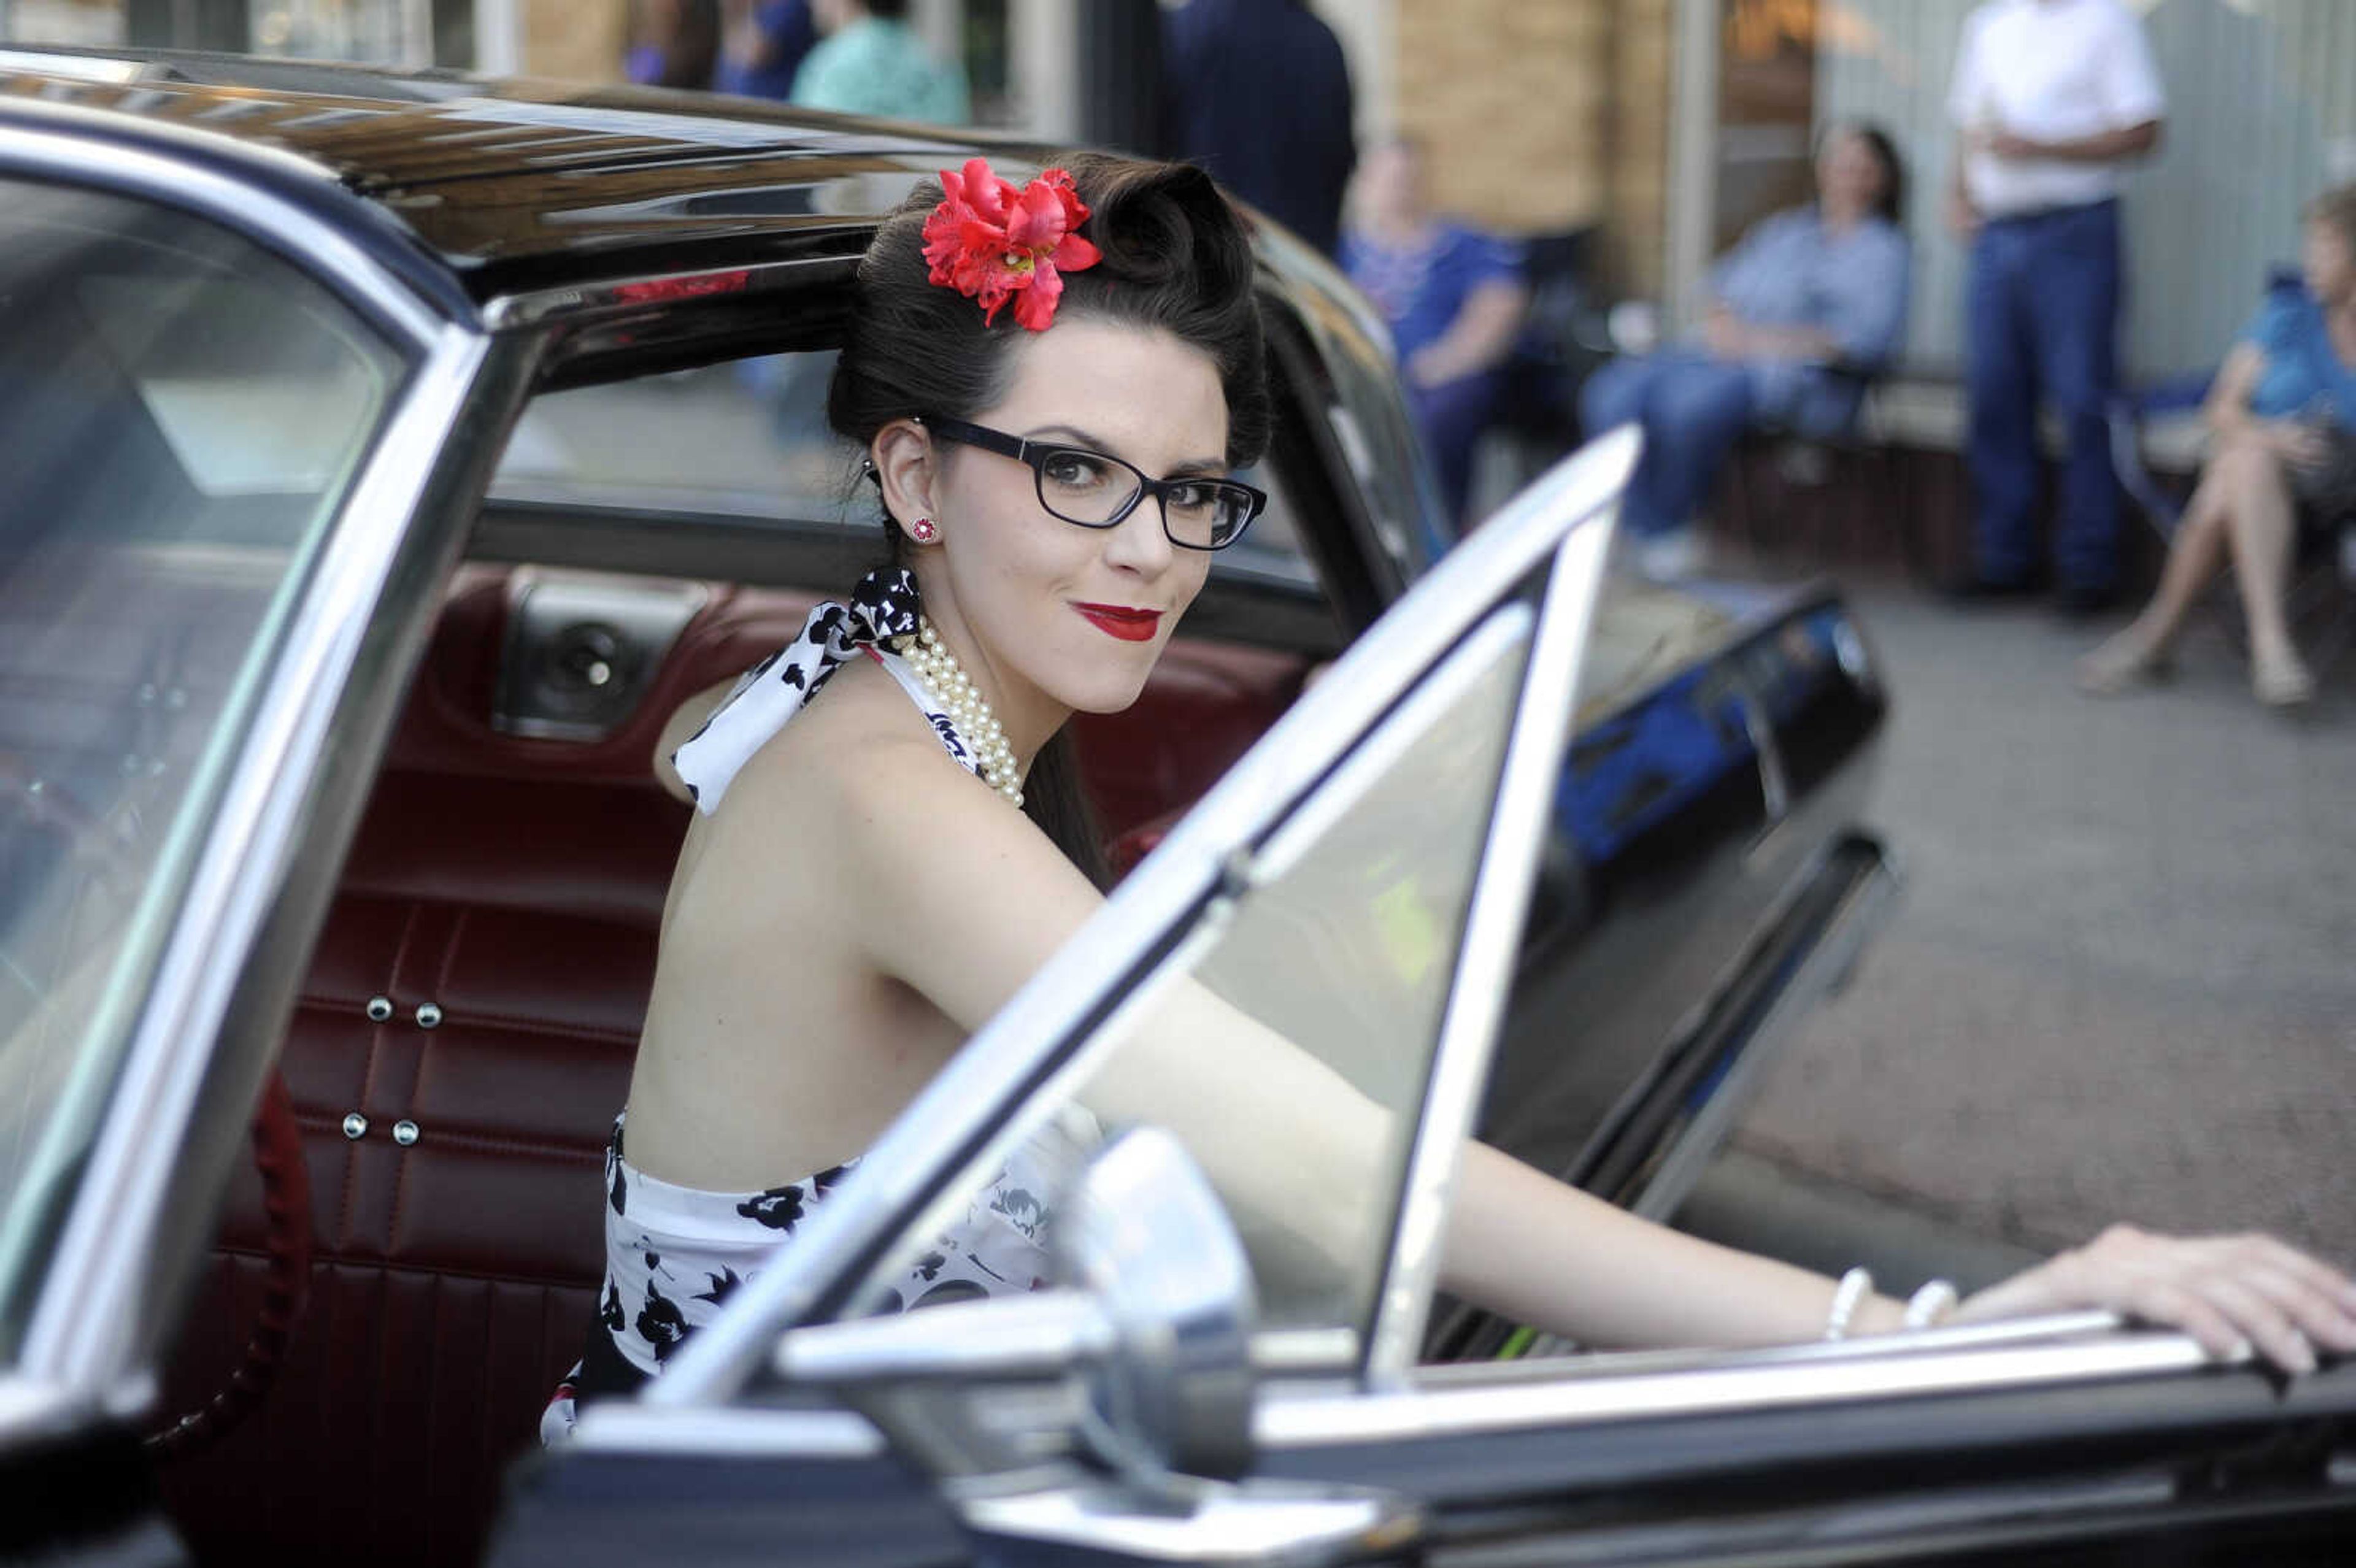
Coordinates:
<point>1048,1036</point>
<point>83,1329</point>
<point>1519,821</point>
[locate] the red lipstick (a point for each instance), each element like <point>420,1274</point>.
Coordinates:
<point>1121,621</point>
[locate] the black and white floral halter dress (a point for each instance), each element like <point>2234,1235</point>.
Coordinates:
<point>674,1254</point>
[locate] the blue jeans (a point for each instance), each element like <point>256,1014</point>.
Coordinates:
<point>1693,409</point>
<point>1453,416</point>
<point>2042,313</point>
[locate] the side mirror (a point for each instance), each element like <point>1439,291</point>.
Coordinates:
<point>1152,1309</point>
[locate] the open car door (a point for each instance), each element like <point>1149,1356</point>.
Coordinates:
<point>1342,912</point>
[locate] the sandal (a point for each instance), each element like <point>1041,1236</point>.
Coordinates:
<point>2125,660</point>
<point>2281,681</point>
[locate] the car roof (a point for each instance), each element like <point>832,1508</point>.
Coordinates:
<point>511,185</point>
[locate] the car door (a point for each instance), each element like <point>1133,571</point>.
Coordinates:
<point>2065,1440</point>
<point>222,427</point>
<point>1343,909</point>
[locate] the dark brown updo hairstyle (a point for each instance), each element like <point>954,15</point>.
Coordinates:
<point>1175,259</point>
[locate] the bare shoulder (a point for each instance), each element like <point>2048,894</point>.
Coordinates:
<point>859,757</point>
<point>885,832</point>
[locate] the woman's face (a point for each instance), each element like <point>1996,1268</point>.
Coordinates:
<point>1073,614</point>
<point>1848,175</point>
<point>2328,262</point>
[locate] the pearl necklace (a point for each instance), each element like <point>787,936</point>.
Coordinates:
<point>977,726</point>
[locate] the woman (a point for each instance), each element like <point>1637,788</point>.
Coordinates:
<point>2282,422</point>
<point>1811,297</point>
<point>859,891</point>
<point>869,60</point>
<point>1454,298</point>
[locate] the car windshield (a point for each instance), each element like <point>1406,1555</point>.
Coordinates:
<point>749,440</point>
<point>180,417</point>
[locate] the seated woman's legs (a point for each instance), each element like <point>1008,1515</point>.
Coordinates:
<point>1692,408</point>
<point>2262,525</point>
<point>1454,414</point>
<point>2243,503</point>
<point>1621,392</point>
<point>1696,414</point>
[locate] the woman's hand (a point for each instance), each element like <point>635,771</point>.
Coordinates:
<point>2227,1291</point>
<point>2301,445</point>
<point>1725,334</point>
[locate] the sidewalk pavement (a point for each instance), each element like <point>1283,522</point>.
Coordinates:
<point>2121,980</point>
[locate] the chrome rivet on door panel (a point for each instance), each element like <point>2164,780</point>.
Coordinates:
<point>380,1009</point>
<point>355,1126</point>
<point>429,1014</point>
<point>405,1132</point>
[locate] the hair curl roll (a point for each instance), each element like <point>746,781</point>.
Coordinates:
<point>1175,259</point>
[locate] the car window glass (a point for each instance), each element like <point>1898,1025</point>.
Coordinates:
<point>1341,949</point>
<point>180,416</point>
<point>748,440</point>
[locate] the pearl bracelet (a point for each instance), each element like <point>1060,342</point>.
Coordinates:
<point>1848,1297</point>
<point>1931,1306</point>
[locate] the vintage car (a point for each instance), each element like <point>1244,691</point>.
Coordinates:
<point>383,458</point>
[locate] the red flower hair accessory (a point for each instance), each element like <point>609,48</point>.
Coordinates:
<point>991,242</point>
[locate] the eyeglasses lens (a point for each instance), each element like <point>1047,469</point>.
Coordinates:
<point>1086,488</point>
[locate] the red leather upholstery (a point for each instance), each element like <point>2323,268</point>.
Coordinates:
<point>516,885</point>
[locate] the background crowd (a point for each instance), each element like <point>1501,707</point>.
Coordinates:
<point>2051,104</point>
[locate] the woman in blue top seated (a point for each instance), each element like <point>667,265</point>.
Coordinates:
<point>2282,417</point>
<point>1453,296</point>
<point>1808,299</point>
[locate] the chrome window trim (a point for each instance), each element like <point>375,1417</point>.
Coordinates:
<point>1855,1372</point>
<point>588,301</point>
<point>1036,1036</point>
<point>303,241</point>
<point>1519,820</point>
<point>81,1332</point>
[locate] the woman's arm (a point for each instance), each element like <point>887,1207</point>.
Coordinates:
<point>1543,1253</point>
<point>2102,147</point>
<point>1865,286</point>
<point>979,901</point>
<point>1479,338</point>
<point>2226,411</point>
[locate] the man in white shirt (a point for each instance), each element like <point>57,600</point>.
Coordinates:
<point>2052,99</point>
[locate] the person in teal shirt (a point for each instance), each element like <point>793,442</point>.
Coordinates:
<point>2282,417</point>
<point>870,61</point>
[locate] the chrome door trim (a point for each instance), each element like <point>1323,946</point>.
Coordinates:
<point>1831,955</point>
<point>1519,820</point>
<point>1854,1371</point>
<point>31,1409</point>
<point>91,163</point>
<point>81,1332</point>
<point>1039,1039</point>
<point>620,1426</point>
